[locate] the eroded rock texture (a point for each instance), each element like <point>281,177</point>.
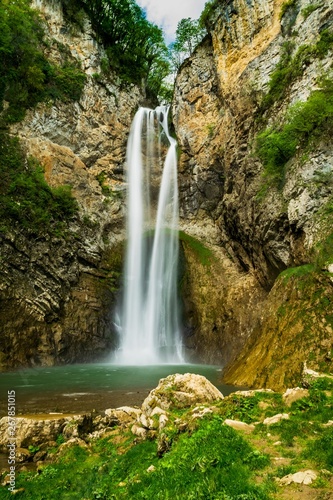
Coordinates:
<point>217,114</point>
<point>57,292</point>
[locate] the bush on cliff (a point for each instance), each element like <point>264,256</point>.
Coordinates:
<point>26,76</point>
<point>306,123</point>
<point>26,199</point>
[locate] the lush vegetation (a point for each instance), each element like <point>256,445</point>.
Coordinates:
<point>26,76</point>
<point>204,458</point>
<point>26,200</point>
<point>189,34</point>
<point>207,12</point>
<point>291,67</point>
<point>135,47</point>
<point>306,123</point>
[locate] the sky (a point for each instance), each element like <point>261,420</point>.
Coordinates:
<point>167,13</point>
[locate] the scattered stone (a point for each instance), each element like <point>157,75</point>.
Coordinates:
<point>294,394</point>
<point>125,415</point>
<point>277,443</point>
<point>201,412</point>
<point>303,477</point>
<point>72,442</point>
<point>146,422</point>
<point>239,426</point>
<point>138,431</point>
<point>40,455</point>
<point>151,468</point>
<point>181,391</point>
<point>328,424</point>
<point>276,418</point>
<point>78,427</point>
<point>157,411</point>
<point>22,455</point>
<point>34,430</point>
<point>162,421</point>
<point>252,392</point>
<point>309,376</point>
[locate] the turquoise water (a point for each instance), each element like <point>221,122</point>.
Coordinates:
<point>91,386</point>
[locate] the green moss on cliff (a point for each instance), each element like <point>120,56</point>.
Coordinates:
<point>26,200</point>
<point>202,253</point>
<point>306,123</point>
<point>26,75</point>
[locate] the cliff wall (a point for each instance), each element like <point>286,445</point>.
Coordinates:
<point>57,290</point>
<point>224,100</point>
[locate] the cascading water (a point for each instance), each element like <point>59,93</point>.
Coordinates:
<point>149,320</point>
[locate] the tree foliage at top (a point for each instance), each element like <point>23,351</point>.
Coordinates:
<point>135,47</point>
<point>26,76</point>
<point>189,34</point>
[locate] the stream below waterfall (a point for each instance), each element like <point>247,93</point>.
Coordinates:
<point>86,387</point>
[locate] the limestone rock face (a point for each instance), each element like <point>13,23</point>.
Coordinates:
<point>217,99</point>
<point>33,431</point>
<point>57,293</point>
<point>180,391</point>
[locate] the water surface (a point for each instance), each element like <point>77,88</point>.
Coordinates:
<point>87,387</point>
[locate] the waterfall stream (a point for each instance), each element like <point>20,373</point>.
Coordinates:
<point>149,319</point>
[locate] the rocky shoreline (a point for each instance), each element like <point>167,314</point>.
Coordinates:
<point>42,439</point>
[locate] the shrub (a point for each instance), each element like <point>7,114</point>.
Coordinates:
<point>309,9</point>
<point>26,76</point>
<point>286,6</point>
<point>289,68</point>
<point>306,123</point>
<point>25,197</point>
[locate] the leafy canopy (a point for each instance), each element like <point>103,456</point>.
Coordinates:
<point>26,76</point>
<point>135,47</point>
<point>189,34</point>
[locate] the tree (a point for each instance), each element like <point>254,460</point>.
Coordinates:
<point>189,34</point>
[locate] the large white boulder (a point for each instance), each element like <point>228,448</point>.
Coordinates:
<point>180,391</point>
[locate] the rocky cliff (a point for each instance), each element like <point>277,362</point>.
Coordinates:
<point>57,291</point>
<point>242,85</point>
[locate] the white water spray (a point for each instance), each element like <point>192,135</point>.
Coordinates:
<point>149,320</point>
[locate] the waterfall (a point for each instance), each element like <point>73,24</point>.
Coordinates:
<point>149,320</point>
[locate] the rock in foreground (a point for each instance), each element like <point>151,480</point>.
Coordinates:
<point>181,391</point>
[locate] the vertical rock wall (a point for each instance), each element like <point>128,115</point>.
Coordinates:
<point>57,293</point>
<point>216,113</point>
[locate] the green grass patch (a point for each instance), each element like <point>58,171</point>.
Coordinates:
<point>204,254</point>
<point>307,11</point>
<point>290,67</point>
<point>296,271</point>
<point>212,461</point>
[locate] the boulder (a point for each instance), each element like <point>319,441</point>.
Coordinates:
<point>126,415</point>
<point>180,391</point>
<point>302,477</point>
<point>294,394</point>
<point>239,426</point>
<point>34,430</point>
<point>276,418</point>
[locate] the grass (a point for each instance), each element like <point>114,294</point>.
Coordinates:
<point>207,460</point>
<point>290,67</point>
<point>286,6</point>
<point>204,254</point>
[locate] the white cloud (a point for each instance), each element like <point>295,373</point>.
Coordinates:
<point>167,13</point>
